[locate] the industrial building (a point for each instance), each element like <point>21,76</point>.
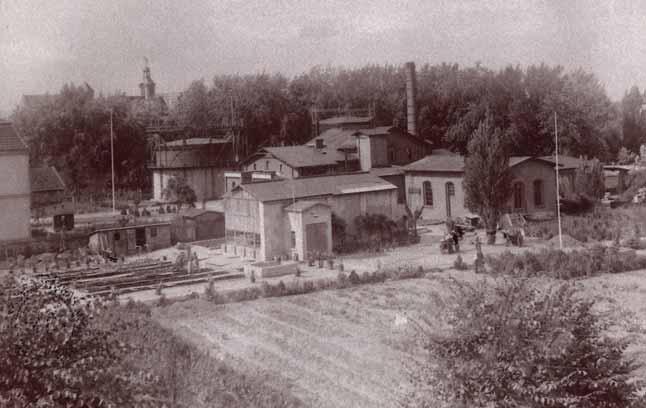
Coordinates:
<point>434,184</point>
<point>202,162</point>
<point>15,188</point>
<point>287,217</point>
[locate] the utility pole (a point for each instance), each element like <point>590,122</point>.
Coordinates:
<point>558,197</point>
<point>114,204</point>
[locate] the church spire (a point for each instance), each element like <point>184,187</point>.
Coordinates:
<point>147,86</point>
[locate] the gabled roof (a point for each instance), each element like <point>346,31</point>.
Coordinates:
<point>455,163</point>
<point>439,163</point>
<point>565,162</point>
<point>305,156</point>
<point>314,187</point>
<point>335,138</point>
<point>197,141</point>
<point>303,205</point>
<point>10,141</point>
<point>45,179</point>
<point>386,171</point>
<point>340,120</point>
<point>197,212</point>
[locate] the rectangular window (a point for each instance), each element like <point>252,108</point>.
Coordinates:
<point>538,193</point>
<point>153,232</point>
<point>293,239</point>
<point>281,168</point>
<point>266,164</point>
<point>117,236</point>
<point>254,166</point>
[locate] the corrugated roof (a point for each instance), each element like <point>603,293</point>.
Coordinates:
<point>10,140</point>
<point>314,186</point>
<point>339,120</point>
<point>300,206</point>
<point>305,156</point>
<point>45,179</point>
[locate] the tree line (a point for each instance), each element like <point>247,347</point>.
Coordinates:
<point>71,131</point>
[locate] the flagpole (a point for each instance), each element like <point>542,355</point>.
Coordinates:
<point>558,196</point>
<point>114,204</point>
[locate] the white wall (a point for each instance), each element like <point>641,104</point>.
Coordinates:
<point>437,211</point>
<point>15,196</point>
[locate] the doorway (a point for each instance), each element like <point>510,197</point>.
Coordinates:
<point>450,193</point>
<point>519,196</point>
<point>140,237</point>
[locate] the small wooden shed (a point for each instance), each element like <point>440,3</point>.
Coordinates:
<point>120,241</point>
<point>197,225</point>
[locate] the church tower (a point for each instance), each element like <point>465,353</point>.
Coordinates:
<point>147,86</point>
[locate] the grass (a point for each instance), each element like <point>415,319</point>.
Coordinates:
<point>354,347</point>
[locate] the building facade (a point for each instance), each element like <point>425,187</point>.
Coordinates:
<point>266,219</point>
<point>121,241</point>
<point>202,162</point>
<point>15,188</point>
<point>434,184</point>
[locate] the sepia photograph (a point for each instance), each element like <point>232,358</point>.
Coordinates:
<point>325,204</point>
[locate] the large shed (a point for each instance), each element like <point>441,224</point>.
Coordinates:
<point>120,241</point>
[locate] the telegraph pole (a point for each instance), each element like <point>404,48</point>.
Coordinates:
<point>558,197</point>
<point>114,204</point>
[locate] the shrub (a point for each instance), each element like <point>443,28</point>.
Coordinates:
<point>342,280</point>
<point>516,344</point>
<point>354,278</point>
<point>566,265</point>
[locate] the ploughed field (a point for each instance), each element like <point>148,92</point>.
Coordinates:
<point>356,347</point>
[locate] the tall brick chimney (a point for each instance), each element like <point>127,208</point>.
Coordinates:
<point>411,94</point>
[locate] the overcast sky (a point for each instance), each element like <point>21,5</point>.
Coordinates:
<point>44,44</point>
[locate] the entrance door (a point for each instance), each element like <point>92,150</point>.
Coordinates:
<point>140,237</point>
<point>519,196</point>
<point>316,237</point>
<point>450,193</point>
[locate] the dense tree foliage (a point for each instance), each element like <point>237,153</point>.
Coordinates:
<point>515,343</point>
<point>274,110</point>
<point>487,178</point>
<point>53,351</point>
<point>634,122</point>
<point>71,131</point>
<point>179,192</point>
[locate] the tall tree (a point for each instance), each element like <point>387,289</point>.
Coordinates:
<point>487,178</point>
<point>633,121</point>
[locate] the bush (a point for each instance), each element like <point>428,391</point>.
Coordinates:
<point>342,280</point>
<point>354,278</point>
<point>516,344</point>
<point>566,265</point>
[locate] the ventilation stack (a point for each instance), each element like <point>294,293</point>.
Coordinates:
<point>411,95</point>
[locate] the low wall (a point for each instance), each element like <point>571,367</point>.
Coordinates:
<point>50,243</point>
<point>270,269</point>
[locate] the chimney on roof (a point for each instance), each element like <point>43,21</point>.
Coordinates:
<point>411,94</point>
<point>319,144</point>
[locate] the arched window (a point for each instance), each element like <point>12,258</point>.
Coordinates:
<point>519,195</point>
<point>538,193</point>
<point>450,189</point>
<point>428,193</point>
